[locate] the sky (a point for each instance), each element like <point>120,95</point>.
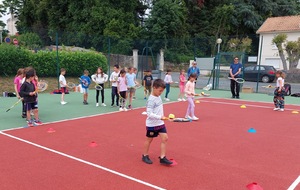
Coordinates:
<point>4,18</point>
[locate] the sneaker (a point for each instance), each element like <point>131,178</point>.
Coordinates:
<point>188,117</point>
<point>103,104</point>
<point>276,109</point>
<point>232,96</point>
<point>179,99</point>
<point>129,107</point>
<point>146,159</point>
<point>183,99</point>
<point>237,97</point>
<point>133,98</point>
<point>167,99</point>
<point>165,160</point>
<point>24,116</point>
<point>121,109</point>
<point>38,122</point>
<point>195,118</point>
<point>281,109</point>
<point>125,109</point>
<point>97,104</point>
<point>145,98</point>
<point>63,103</point>
<point>30,124</point>
<point>112,105</point>
<point>85,103</point>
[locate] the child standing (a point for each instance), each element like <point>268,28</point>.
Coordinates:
<point>63,85</point>
<point>85,83</point>
<point>122,89</point>
<point>168,80</point>
<point>135,72</point>
<point>279,92</point>
<point>182,81</point>
<point>100,78</point>
<point>190,92</point>
<point>28,92</point>
<point>147,82</point>
<point>154,123</point>
<point>131,82</point>
<point>17,85</point>
<point>114,85</point>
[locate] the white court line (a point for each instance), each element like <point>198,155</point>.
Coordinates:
<point>84,161</point>
<point>294,184</point>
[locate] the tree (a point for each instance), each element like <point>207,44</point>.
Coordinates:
<point>279,40</point>
<point>13,7</point>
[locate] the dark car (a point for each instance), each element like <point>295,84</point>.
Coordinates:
<point>267,73</point>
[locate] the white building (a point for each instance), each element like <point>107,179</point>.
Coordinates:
<point>268,52</point>
<point>11,26</point>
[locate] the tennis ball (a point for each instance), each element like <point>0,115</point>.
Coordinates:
<point>202,93</point>
<point>171,116</point>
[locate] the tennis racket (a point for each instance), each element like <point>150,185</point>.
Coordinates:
<point>42,86</point>
<point>178,119</point>
<point>71,85</point>
<point>84,82</point>
<point>269,86</point>
<point>238,80</point>
<point>14,105</point>
<point>202,94</point>
<point>98,87</point>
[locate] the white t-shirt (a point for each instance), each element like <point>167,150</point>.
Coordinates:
<point>97,78</point>
<point>168,79</point>
<point>114,77</point>
<point>62,81</point>
<point>277,82</point>
<point>154,111</point>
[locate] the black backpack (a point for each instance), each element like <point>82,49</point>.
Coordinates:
<point>288,89</point>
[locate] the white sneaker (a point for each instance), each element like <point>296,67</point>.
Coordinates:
<point>167,99</point>
<point>179,99</point>
<point>63,103</point>
<point>103,104</point>
<point>183,99</point>
<point>276,109</point>
<point>125,109</point>
<point>281,109</point>
<point>188,117</point>
<point>97,104</point>
<point>121,109</point>
<point>195,118</point>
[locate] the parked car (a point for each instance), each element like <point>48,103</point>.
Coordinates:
<point>267,73</point>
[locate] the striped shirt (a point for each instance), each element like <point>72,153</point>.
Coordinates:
<point>155,111</point>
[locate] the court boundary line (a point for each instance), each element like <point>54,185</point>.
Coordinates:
<point>84,162</point>
<point>294,184</point>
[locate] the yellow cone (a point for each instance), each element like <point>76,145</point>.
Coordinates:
<point>197,101</point>
<point>243,106</point>
<point>295,112</point>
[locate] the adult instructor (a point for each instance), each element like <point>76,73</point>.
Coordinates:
<point>194,69</point>
<point>235,72</point>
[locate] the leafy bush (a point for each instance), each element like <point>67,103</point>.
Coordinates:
<point>30,40</point>
<point>45,62</point>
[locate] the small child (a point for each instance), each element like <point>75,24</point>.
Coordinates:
<point>279,92</point>
<point>100,78</point>
<point>114,85</point>
<point>135,72</point>
<point>182,81</point>
<point>148,79</point>
<point>28,92</point>
<point>85,83</point>
<point>63,85</point>
<point>122,89</point>
<point>168,80</point>
<point>131,83</point>
<point>190,92</point>
<point>17,85</point>
<point>154,123</point>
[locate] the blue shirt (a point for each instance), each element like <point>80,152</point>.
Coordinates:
<point>235,68</point>
<point>85,81</point>
<point>195,70</point>
<point>130,79</point>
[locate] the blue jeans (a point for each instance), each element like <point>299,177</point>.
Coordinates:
<point>167,90</point>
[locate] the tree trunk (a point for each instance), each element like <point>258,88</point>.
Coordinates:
<point>281,55</point>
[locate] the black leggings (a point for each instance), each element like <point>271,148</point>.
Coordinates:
<point>102,94</point>
<point>235,88</point>
<point>114,93</point>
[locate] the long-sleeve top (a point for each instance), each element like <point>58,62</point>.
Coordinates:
<point>155,111</point>
<point>114,78</point>
<point>195,70</point>
<point>25,90</point>
<point>99,79</point>
<point>168,79</point>
<point>189,89</point>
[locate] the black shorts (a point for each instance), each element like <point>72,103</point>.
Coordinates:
<point>31,106</point>
<point>154,131</point>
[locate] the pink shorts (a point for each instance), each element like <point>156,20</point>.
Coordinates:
<point>181,87</point>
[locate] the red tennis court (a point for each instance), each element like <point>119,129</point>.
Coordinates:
<point>216,152</point>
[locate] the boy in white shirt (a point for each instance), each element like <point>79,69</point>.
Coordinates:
<point>114,85</point>
<point>63,85</point>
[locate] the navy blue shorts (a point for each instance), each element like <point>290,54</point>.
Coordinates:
<point>154,131</point>
<point>31,106</point>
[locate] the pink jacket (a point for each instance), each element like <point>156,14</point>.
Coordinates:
<point>189,89</point>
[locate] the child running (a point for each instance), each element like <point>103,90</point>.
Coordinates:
<point>147,82</point>
<point>190,92</point>
<point>279,92</point>
<point>100,78</point>
<point>114,85</point>
<point>154,123</point>
<point>17,85</point>
<point>182,81</point>
<point>168,80</point>
<point>85,82</point>
<point>63,85</point>
<point>131,82</point>
<point>28,92</point>
<point>122,89</point>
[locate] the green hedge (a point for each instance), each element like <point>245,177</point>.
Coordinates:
<point>45,62</point>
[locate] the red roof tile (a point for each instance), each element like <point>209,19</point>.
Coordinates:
<point>280,24</point>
